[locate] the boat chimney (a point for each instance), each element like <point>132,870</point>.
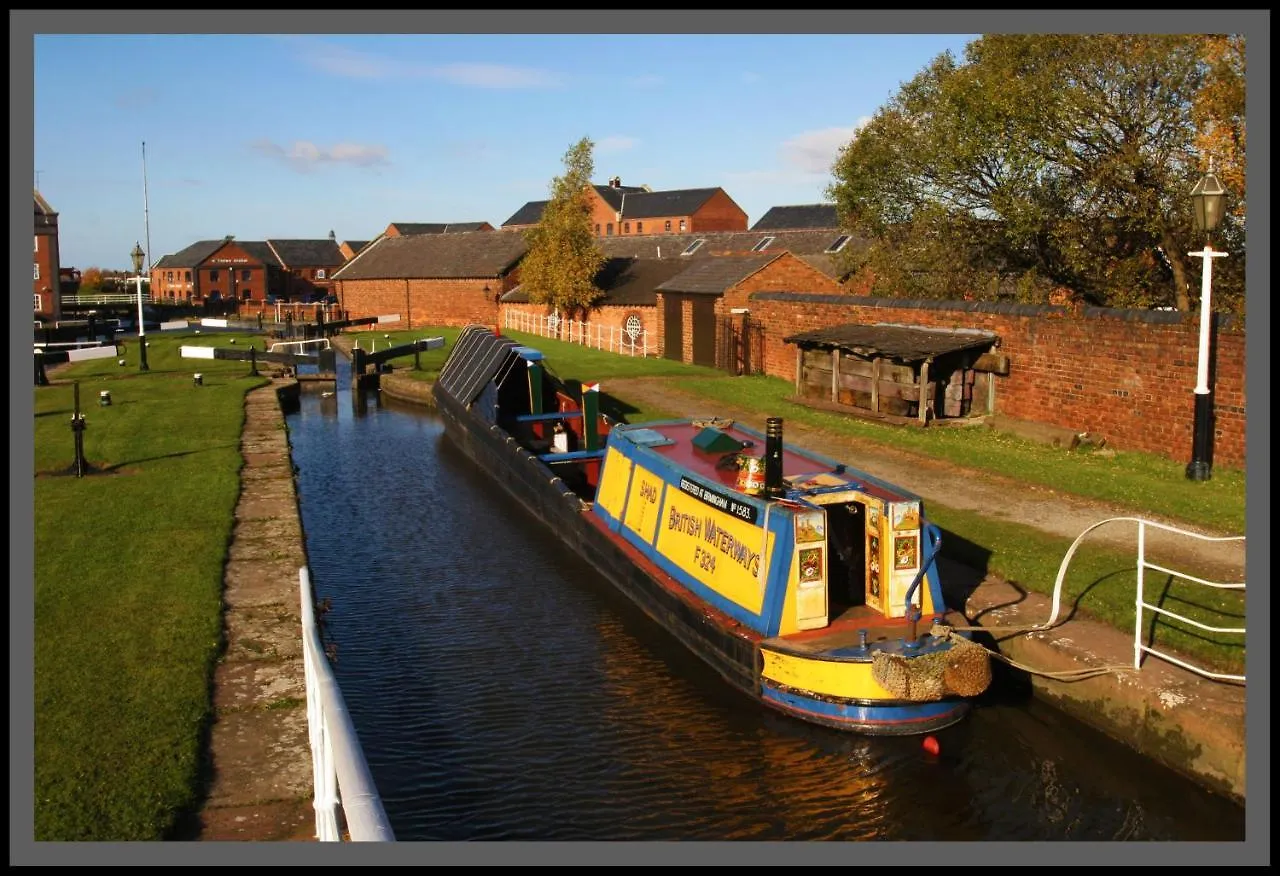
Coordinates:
<point>773,457</point>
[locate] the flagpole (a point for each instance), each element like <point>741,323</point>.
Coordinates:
<point>146,212</point>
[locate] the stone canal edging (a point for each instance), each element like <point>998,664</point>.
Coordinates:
<point>260,783</point>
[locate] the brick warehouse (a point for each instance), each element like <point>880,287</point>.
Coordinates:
<point>1125,374</point>
<point>431,279</point>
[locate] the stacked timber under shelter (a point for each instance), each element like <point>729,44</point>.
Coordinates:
<point>900,373</point>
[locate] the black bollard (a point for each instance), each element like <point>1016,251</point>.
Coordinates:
<point>417,366</point>
<point>253,360</point>
<point>42,379</point>
<point>77,428</point>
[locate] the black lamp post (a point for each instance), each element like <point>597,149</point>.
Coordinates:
<point>137,255</point>
<point>1207,199</point>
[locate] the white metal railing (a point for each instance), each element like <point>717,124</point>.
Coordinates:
<point>341,775</point>
<point>611,338</point>
<point>106,298</point>
<point>301,346</point>
<point>1142,605</point>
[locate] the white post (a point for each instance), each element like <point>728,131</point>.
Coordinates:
<point>1206,314</point>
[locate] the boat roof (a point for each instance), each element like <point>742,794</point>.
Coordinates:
<point>804,472</point>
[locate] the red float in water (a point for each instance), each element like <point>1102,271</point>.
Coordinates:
<point>931,745</point>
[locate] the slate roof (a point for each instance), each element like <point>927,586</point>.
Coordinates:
<point>191,256</point>
<point>714,276</point>
<point>529,214</point>
<point>678,202</point>
<point>613,195</point>
<point>797,217</point>
<point>718,243</point>
<point>307,253</point>
<point>899,342</point>
<point>439,227</point>
<point>261,251</point>
<point>465,255</point>
<point>626,282</point>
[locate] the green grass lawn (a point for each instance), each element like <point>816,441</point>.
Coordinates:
<point>128,587</point>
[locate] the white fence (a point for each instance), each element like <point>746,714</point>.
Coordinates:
<point>628,342</point>
<point>342,780</point>
<point>1143,606</point>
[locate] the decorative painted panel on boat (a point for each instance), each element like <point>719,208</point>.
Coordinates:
<point>716,549</point>
<point>642,503</point>
<point>613,489</point>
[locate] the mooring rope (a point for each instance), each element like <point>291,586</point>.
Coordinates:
<point>945,631</point>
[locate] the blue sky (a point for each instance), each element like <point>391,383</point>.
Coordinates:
<point>274,136</point>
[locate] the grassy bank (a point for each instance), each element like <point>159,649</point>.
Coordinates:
<point>128,587</point>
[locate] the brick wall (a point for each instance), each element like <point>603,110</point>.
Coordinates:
<point>1127,375</point>
<point>424,302</point>
<point>46,259</point>
<point>719,213</point>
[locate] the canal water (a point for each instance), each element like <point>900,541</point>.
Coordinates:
<point>502,691</point>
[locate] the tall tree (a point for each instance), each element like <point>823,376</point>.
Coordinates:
<point>91,281</point>
<point>560,267</point>
<point>1041,162</point>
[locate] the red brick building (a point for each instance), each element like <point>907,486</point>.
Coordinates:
<point>307,267</point>
<point>217,270</point>
<point>349,248</point>
<point>46,284</point>
<point>618,210</point>
<point>431,279</point>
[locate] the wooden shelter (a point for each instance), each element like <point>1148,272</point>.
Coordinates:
<point>909,372</point>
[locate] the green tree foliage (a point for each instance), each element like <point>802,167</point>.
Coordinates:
<point>560,267</point>
<point>1041,164</point>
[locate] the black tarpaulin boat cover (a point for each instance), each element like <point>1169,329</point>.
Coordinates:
<point>477,357</point>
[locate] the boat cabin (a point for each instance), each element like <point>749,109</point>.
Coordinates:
<point>828,546</point>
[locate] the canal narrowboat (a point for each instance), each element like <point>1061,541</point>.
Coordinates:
<point>806,584</point>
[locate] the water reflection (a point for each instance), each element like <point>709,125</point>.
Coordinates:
<point>502,690</point>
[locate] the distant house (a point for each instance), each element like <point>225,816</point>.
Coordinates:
<point>46,285</point>
<point>618,210</point>
<point>431,279</point>
<point>307,266</point>
<point>214,270</point>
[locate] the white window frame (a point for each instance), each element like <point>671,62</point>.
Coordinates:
<point>633,325</point>
<point>37,267</point>
<point>763,244</point>
<point>838,244</point>
<point>693,247</point>
<point>319,273</point>
<point>36,296</point>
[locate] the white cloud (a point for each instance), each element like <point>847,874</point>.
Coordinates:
<point>616,144</point>
<point>304,155</point>
<point>352,64</point>
<point>816,151</point>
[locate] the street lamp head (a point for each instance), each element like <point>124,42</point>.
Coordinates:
<point>1207,199</point>
<point>137,255</point>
